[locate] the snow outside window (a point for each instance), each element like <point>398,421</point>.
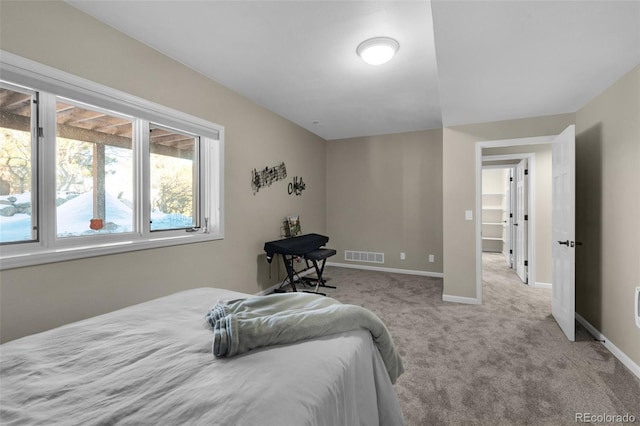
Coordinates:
<point>94,171</point>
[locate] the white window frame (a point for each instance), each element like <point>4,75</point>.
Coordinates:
<point>200,158</point>
<point>51,83</point>
<point>35,202</point>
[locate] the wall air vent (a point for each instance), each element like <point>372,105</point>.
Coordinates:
<point>363,256</point>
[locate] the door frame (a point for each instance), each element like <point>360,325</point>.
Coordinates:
<point>510,168</point>
<point>536,140</point>
<point>531,207</point>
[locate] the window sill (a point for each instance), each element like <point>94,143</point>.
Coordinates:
<point>44,255</point>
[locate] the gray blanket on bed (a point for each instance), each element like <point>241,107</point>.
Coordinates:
<point>245,324</point>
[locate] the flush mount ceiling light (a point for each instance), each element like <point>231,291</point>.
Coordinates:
<point>377,50</point>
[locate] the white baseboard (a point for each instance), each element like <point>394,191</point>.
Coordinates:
<point>538,284</point>
<point>343,265</point>
<point>393,270</point>
<point>459,299</point>
<point>628,362</point>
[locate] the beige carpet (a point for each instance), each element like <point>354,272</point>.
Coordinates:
<point>505,362</point>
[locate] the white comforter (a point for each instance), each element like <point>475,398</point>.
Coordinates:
<point>152,364</point>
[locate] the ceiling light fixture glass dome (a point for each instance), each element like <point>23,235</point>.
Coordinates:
<point>377,50</point>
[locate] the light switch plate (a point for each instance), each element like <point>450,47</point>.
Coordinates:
<point>637,298</point>
<point>468,214</point>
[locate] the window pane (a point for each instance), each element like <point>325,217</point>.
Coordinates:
<point>173,179</point>
<point>94,172</point>
<point>17,179</point>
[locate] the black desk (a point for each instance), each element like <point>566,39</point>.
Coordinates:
<point>297,247</point>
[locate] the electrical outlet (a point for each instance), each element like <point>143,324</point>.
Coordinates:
<point>432,258</point>
<point>402,256</point>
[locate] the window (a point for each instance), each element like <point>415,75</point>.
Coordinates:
<point>18,223</point>
<point>173,173</point>
<point>86,170</point>
<point>94,171</point>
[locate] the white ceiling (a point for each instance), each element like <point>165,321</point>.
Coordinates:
<point>459,62</point>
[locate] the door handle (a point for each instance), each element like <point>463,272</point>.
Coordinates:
<point>564,243</point>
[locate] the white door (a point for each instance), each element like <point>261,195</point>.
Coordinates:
<point>507,219</point>
<point>520,220</point>
<point>512,215</point>
<point>563,231</point>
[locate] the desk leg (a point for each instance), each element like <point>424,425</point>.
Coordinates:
<point>288,264</point>
<point>319,270</point>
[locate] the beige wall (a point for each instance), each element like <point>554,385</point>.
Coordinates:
<point>494,180</point>
<point>41,297</point>
<point>459,191</point>
<point>384,194</point>
<point>608,206</point>
<point>542,201</point>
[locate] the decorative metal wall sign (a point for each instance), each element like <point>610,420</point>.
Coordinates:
<point>262,178</point>
<point>297,186</point>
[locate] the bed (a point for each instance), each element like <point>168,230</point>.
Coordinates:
<point>152,363</point>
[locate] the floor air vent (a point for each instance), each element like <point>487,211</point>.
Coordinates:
<point>363,256</point>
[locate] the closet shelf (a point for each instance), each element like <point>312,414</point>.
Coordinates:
<point>493,215</point>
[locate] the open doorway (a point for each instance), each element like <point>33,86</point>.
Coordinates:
<point>498,216</point>
<point>537,248</point>
<point>497,210</point>
<point>554,241</point>
<point>508,225</point>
